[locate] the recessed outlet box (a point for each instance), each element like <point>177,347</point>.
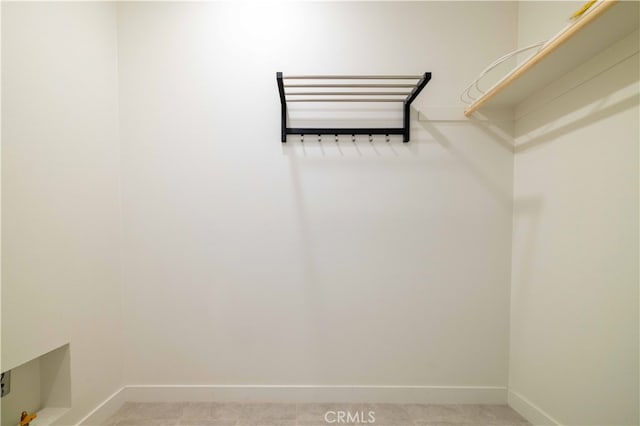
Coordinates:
<point>42,385</point>
<point>5,383</point>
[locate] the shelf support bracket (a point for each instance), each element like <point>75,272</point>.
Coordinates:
<point>283,108</point>
<point>406,115</point>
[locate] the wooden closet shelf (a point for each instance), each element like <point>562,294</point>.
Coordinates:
<point>606,22</point>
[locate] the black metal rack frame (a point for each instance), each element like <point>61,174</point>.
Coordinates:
<point>361,96</point>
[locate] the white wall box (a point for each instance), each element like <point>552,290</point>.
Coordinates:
<point>42,386</point>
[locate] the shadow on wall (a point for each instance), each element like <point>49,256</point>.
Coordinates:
<point>526,208</point>
<point>477,172</point>
<point>497,124</point>
<point>329,155</point>
<point>384,224</point>
<point>392,177</point>
<point>588,102</point>
<point>596,113</point>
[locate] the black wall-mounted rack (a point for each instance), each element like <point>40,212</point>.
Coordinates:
<point>386,92</point>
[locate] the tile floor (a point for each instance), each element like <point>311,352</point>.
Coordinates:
<point>280,414</point>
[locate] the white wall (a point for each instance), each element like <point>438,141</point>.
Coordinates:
<point>539,21</point>
<point>574,298</point>
<point>249,262</point>
<point>0,195</point>
<point>60,192</point>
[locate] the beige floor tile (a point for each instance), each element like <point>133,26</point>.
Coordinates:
<point>156,410</point>
<point>146,422</point>
<point>210,413</point>
<point>492,415</point>
<point>225,411</point>
<point>426,423</point>
<point>266,414</point>
<point>207,422</point>
<point>440,424</point>
<point>121,414</point>
<point>388,414</point>
<point>423,414</point>
<point>273,414</point>
<point>196,410</point>
<point>313,414</point>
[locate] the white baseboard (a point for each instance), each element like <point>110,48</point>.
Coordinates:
<point>296,393</point>
<point>105,410</point>
<point>313,393</point>
<point>534,414</point>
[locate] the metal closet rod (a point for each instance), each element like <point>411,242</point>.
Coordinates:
<point>349,93</point>
<point>344,131</point>
<point>345,100</point>
<point>352,77</point>
<point>394,86</point>
<point>415,90</point>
